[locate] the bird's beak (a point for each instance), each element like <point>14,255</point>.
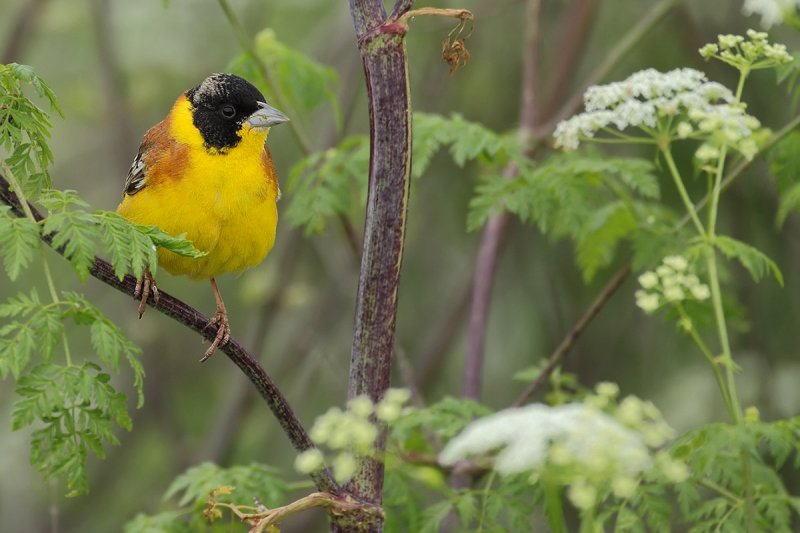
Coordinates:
<point>265,117</point>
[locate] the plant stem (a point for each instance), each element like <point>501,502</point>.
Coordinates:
<point>54,296</point>
<point>687,202</point>
<point>555,511</point>
<point>382,46</point>
<point>711,360</point>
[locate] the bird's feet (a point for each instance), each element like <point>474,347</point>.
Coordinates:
<point>220,319</point>
<point>144,288</point>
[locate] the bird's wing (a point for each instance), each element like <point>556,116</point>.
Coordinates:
<point>137,175</point>
<point>150,150</point>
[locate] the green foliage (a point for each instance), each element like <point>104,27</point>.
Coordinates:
<point>166,522</point>
<point>327,184</point>
<point>334,182</point>
<point>597,201</point>
<point>38,328</point>
<point>75,408</point>
<point>254,481</point>
<point>19,239</point>
<point>755,261</point>
<point>728,459</point>
<point>302,82</point>
<point>24,126</point>
<point>251,483</point>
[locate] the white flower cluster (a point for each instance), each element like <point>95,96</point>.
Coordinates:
<point>771,11</point>
<point>533,434</point>
<point>350,433</point>
<point>670,282</point>
<point>684,96</point>
<point>588,446</point>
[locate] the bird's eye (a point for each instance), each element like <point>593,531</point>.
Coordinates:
<point>228,111</point>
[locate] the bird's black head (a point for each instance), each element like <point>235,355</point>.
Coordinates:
<point>220,106</point>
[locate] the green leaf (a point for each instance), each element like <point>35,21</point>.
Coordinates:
<point>179,245</point>
<point>433,516</point>
<point>166,522</point>
<point>601,234</point>
<point>19,238</point>
<point>76,407</point>
<point>252,481</point>
<point>327,184</point>
<point>108,340</point>
<point>755,261</point>
<point>75,234</point>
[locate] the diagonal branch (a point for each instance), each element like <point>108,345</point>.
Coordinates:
<point>196,321</point>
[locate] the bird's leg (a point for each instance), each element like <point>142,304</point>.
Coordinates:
<point>221,320</point>
<point>144,287</point>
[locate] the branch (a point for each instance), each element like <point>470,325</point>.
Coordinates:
<point>382,46</point>
<point>196,321</point>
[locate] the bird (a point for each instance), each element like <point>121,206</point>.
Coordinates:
<point>205,173</point>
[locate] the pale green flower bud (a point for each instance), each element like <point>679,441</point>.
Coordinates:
<point>674,294</point>
<point>624,487</point>
<point>361,406</point>
<point>676,262</point>
<point>700,292</point>
<point>582,495</point>
<point>630,411</point>
<point>648,302</point>
<point>308,461</point>
<point>344,467</point>
<point>648,280</point>
<point>709,50</point>
<point>684,130</point>
<point>607,389</point>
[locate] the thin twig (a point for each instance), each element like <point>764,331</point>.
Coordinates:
<point>196,321</point>
<point>575,333</point>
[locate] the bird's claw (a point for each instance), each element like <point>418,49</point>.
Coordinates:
<point>144,288</point>
<point>220,319</point>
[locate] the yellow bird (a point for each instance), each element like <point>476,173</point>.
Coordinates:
<point>206,173</point>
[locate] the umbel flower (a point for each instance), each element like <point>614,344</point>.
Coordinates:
<point>594,447</point>
<point>678,104</point>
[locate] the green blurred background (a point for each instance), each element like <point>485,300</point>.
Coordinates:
<point>117,66</point>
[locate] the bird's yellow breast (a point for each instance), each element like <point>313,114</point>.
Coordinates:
<point>224,202</point>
